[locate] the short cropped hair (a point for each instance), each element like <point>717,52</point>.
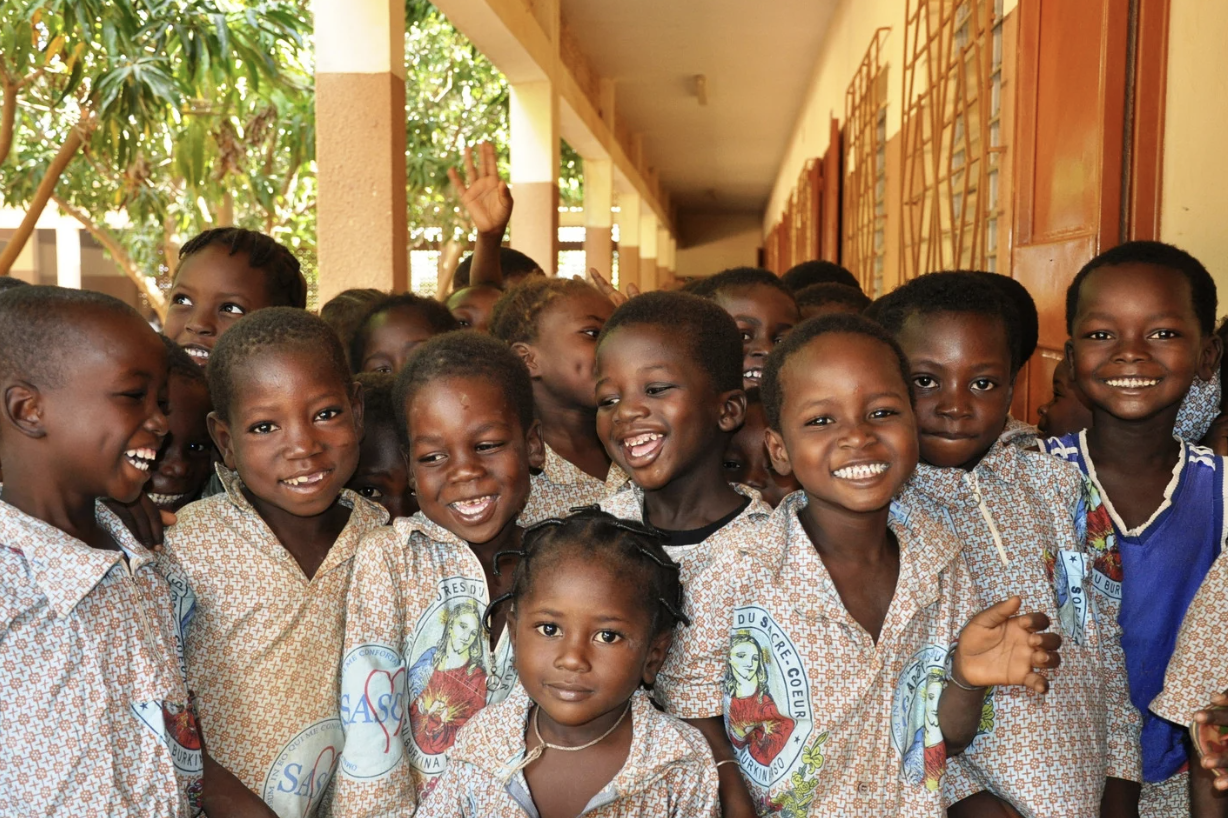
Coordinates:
<point>1025,306</point>
<point>464,353</point>
<point>958,292</point>
<point>736,278</point>
<point>1202,286</point>
<point>283,275</point>
<point>273,329</point>
<point>344,310</point>
<point>818,295</point>
<point>7,282</point>
<point>772,388</point>
<point>514,317</point>
<point>377,403</point>
<point>41,327</point>
<point>513,263</point>
<point>807,273</point>
<point>436,314</point>
<point>708,333</point>
<point>180,363</point>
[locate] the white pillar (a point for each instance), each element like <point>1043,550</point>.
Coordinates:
<point>68,255</point>
<point>598,220</point>
<point>648,250</point>
<point>533,112</point>
<point>628,240</point>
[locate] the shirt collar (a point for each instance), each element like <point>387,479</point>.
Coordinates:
<point>64,568</point>
<point>419,522</point>
<point>950,486</point>
<point>628,504</point>
<point>562,472</point>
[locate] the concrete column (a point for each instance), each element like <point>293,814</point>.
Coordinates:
<point>68,255</point>
<point>361,230</point>
<point>534,116</point>
<point>598,220</point>
<point>628,240</point>
<point>664,270</point>
<point>648,250</point>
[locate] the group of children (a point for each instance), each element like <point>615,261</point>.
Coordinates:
<point>760,547</point>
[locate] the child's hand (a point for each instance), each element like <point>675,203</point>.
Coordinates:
<point>1213,723</point>
<point>144,519</point>
<point>609,291</point>
<point>998,648</point>
<point>487,198</point>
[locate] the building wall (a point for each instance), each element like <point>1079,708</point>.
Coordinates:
<point>1194,205</point>
<point>708,244</point>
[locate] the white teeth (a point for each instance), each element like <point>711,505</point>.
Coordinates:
<point>474,507</point>
<point>640,440</point>
<point>860,472</point>
<point>1131,383</point>
<point>141,458</point>
<point>304,479</point>
<point>752,374</point>
<point>197,352</point>
<point>165,499</point>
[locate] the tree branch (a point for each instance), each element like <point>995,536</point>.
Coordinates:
<point>118,254</point>
<point>8,116</point>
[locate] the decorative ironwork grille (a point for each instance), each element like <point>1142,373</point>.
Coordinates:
<point>865,164</point>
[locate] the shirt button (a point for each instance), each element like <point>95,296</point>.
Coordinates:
<point>863,788</point>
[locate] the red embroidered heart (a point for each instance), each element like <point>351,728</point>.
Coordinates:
<point>311,789</point>
<point>392,690</point>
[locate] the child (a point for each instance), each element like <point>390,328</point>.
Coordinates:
<point>1216,436</point>
<point>186,456</point>
<point>1067,412</point>
<point>382,475</point>
<point>552,324</point>
<point>270,558</point>
<point>223,275</point>
<point>1019,514</point>
<point>595,601</point>
<point>809,273</point>
<point>821,654</point>
<point>472,306</point>
<point>1141,318</point>
<point>762,306</point>
<point>669,398</point>
<point>746,457</point>
<point>1194,686</point>
<point>418,662</point>
<point>344,310</point>
<point>392,328</point>
<point>825,299</point>
<point>515,266</point>
<point>93,622</point>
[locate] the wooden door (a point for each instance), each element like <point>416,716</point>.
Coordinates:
<point>833,176</point>
<point>1070,132</point>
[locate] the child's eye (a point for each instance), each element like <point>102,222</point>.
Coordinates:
<point>431,458</point>
<point>591,333</point>
<point>609,637</point>
<point>822,420</point>
<point>328,414</point>
<point>657,389</point>
<point>233,309</point>
<point>137,395</point>
<point>924,382</point>
<point>197,448</point>
<point>181,299</point>
<point>385,368</point>
<point>983,385</point>
<point>879,414</point>
<point>1098,335</point>
<point>747,336</point>
<point>261,428</point>
<point>607,402</point>
<point>548,629</point>
<point>489,446</point>
<point>463,322</point>
<point>1165,334</point>
<point>732,465</point>
<point>778,339</point>
<point>371,493</point>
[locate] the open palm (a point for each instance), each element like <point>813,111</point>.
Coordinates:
<point>486,197</point>
<point>997,647</point>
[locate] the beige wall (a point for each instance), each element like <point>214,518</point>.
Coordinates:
<point>708,244</point>
<point>1194,206</point>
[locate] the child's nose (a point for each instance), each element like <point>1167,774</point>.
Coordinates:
<point>573,656</point>
<point>200,323</point>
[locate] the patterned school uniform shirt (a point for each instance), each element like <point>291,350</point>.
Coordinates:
<point>96,717</point>
<point>562,485</point>
<point>669,772</point>
<point>1199,667</point>
<point>1020,516</point>
<point>417,664</point>
<point>264,646</point>
<point>628,504</point>
<point>824,721</point>
<point>1148,576</point>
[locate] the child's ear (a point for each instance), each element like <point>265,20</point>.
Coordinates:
<point>733,410</point>
<point>535,446</point>
<point>1069,347</point>
<point>409,472</point>
<point>358,406</point>
<point>529,355</point>
<point>776,451</point>
<point>1209,357</point>
<point>23,407</point>
<point>658,649</point>
<point>219,430</point>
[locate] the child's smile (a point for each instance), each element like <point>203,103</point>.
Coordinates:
<point>212,290</point>
<point>764,316</point>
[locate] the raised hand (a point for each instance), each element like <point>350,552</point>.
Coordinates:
<point>999,648</point>
<point>486,197</point>
<point>609,290</point>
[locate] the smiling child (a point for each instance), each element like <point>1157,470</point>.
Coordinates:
<point>595,601</point>
<point>1020,515</point>
<point>1141,319</point>
<point>418,663</point>
<point>186,457</point>
<point>746,459</point>
<point>223,275</point>
<point>93,622</point>
<point>821,655</point>
<point>270,559</point>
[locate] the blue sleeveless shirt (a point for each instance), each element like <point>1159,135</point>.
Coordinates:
<point>1152,573</point>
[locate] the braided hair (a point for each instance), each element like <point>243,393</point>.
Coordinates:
<point>635,551</point>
